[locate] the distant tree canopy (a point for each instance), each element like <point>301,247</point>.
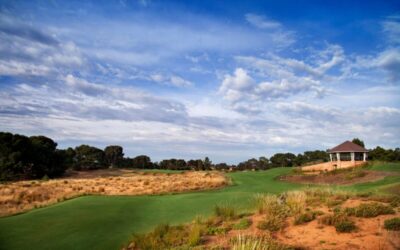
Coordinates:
<point>23,157</point>
<point>88,157</point>
<point>382,154</point>
<point>113,155</point>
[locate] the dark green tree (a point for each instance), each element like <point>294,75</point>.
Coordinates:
<point>88,157</point>
<point>142,161</point>
<point>358,142</point>
<point>113,155</point>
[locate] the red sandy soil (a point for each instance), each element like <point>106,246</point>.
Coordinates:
<point>370,234</point>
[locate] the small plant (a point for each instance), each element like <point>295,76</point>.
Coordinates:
<point>392,224</point>
<point>242,224</point>
<point>345,226</point>
<point>272,224</point>
<point>225,212</point>
<point>296,201</point>
<point>340,221</point>
<point>194,237</point>
<point>45,178</point>
<point>217,230</point>
<point>368,210</point>
<point>304,218</point>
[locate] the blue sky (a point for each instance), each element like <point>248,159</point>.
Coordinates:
<point>187,79</point>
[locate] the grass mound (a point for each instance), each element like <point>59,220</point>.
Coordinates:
<point>369,210</point>
<point>304,218</point>
<point>392,224</point>
<point>340,221</point>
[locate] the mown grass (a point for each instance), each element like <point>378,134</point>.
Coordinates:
<point>104,222</point>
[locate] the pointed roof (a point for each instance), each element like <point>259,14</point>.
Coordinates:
<point>347,146</point>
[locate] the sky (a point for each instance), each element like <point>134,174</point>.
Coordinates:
<point>230,80</point>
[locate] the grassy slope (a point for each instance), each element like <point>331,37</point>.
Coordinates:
<point>106,222</point>
<point>382,185</point>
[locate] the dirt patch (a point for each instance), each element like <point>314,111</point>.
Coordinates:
<point>344,178</point>
<point>369,235</point>
<point>24,195</point>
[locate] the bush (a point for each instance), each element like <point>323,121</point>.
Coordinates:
<point>242,224</point>
<point>392,224</point>
<point>369,210</point>
<point>271,205</point>
<point>217,230</point>
<point>194,237</point>
<point>296,201</point>
<point>304,218</point>
<point>272,224</point>
<point>345,226</point>
<point>163,237</point>
<point>340,221</point>
<point>225,212</point>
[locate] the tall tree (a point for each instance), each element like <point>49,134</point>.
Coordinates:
<point>88,157</point>
<point>113,155</point>
<point>358,142</point>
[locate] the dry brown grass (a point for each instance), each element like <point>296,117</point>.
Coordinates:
<point>21,196</point>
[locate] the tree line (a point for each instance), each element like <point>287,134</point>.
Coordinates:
<point>35,157</point>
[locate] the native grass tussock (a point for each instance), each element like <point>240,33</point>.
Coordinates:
<point>21,196</point>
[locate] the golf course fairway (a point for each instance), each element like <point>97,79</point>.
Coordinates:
<point>108,222</point>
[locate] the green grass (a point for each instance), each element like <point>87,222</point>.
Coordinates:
<point>108,222</point>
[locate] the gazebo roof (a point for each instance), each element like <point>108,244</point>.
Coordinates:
<point>347,146</point>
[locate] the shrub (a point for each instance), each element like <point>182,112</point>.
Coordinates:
<point>296,201</point>
<point>271,205</point>
<point>194,237</point>
<point>163,237</point>
<point>272,224</point>
<point>392,224</point>
<point>345,226</point>
<point>242,224</point>
<point>340,221</point>
<point>225,212</point>
<point>217,230</point>
<point>304,218</point>
<point>368,210</point>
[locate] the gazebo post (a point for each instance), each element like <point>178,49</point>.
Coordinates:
<point>330,156</point>
<point>364,156</point>
<point>338,159</point>
<point>352,156</point>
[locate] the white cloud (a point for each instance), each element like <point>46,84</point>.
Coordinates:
<point>172,80</point>
<point>262,22</point>
<point>391,28</point>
